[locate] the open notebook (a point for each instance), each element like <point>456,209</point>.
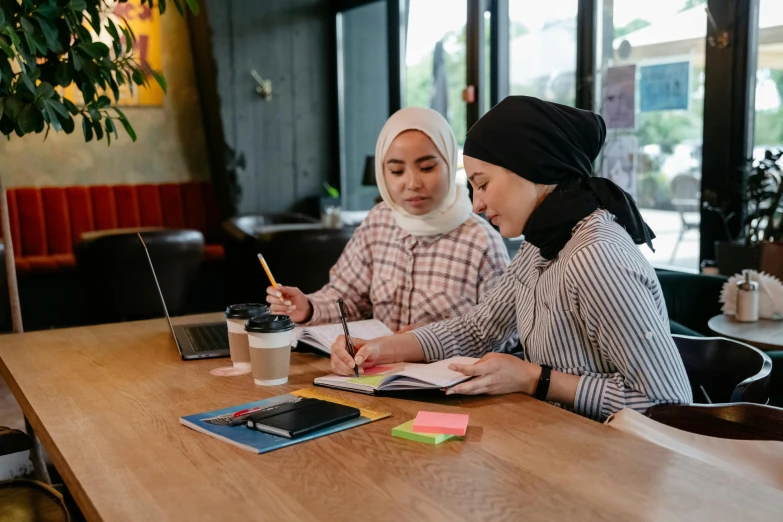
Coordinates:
<point>322,337</point>
<point>400,376</point>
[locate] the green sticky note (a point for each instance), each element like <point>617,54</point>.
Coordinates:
<point>405,431</point>
<point>370,380</point>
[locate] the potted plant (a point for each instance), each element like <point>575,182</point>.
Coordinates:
<point>331,207</point>
<point>45,44</point>
<point>762,228</point>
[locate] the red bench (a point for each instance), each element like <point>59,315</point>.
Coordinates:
<point>46,223</point>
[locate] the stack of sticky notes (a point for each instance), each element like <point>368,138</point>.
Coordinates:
<point>432,427</point>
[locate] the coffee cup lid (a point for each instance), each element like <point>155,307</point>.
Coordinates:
<point>246,310</point>
<point>269,324</point>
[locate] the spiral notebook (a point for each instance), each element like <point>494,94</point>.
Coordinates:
<point>400,377</point>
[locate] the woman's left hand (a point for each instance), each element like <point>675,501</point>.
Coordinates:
<point>497,373</point>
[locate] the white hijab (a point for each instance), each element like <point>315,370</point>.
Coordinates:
<point>456,207</point>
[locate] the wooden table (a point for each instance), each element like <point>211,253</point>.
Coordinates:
<point>764,334</point>
<point>105,401</point>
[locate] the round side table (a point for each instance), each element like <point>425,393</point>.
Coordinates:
<point>765,334</point>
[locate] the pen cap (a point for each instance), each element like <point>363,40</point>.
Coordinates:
<point>246,310</point>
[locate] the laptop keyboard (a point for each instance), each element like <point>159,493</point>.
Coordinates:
<point>208,338</point>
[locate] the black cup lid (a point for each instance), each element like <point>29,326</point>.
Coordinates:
<point>269,324</point>
<point>246,310</point>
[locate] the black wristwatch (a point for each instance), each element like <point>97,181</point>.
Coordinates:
<point>543,382</point>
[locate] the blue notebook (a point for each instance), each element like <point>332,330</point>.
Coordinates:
<point>259,442</point>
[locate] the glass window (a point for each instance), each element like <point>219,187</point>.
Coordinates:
<point>769,79</point>
<point>435,58</point>
<point>363,93</point>
<point>542,52</point>
<point>650,90</point>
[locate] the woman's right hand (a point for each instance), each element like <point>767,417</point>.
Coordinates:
<point>368,354</point>
<point>290,301</point>
<point>383,350</point>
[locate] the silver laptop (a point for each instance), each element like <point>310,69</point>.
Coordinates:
<point>194,341</point>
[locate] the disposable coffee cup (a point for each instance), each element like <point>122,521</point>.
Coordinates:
<point>236,317</point>
<point>270,348</point>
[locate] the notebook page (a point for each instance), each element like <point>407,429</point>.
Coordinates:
<point>325,335</point>
<point>436,373</point>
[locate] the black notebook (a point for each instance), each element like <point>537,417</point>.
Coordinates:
<point>295,419</point>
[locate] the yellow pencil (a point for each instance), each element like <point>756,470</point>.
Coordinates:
<point>266,269</point>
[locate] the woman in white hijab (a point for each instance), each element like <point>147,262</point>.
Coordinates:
<point>419,256</point>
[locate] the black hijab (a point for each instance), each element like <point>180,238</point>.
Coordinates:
<point>553,144</point>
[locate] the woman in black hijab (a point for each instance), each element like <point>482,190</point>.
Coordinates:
<point>585,302</point>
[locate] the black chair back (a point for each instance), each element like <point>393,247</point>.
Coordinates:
<point>743,421</point>
<point>115,271</point>
<point>298,254</point>
<point>723,370</point>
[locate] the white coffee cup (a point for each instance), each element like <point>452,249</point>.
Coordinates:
<point>269,338</point>
<point>236,317</point>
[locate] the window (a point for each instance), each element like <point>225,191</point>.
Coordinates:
<point>363,97</point>
<point>542,49</point>
<point>435,62</point>
<point>769,79</point>
<point>650,91</point>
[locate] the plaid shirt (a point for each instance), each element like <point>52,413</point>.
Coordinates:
<point>401,279</point>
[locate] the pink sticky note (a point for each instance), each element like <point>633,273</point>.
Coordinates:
<point>449,423</point>
<point>375,370</point>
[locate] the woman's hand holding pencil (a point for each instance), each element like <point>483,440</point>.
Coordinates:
<point>286,300</point>
<point>289,301</point>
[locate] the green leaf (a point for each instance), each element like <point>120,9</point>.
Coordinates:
<point>28,83</point>
<point>94,114</point>
<point>32,37</point>
<point>96,50</point>
<point>95,18</point>
<point>159,78</point>
<point>44,91</point>
<point>126,124</point>
<point>194,7</point>
<point>58,107</point>
<point>70,106</point>
<point>138,77</point>
<point>2,104</point>
<point>110,127</point>
<point>28,119</point>
<point>49,11</point>
<point>52,117</point>
<point>115,89</point>
<point>78,6</point>
<point>128,39</point>
<point>78,61</point>
<point>86,128</point>
<point>116,41</point>
<point>13,106</point>
<point>67,124</point>
<point>13,36</point>
<point>103,102</point>
<point>7,50</point>
<point>27,25</point>
<point>96,125</point>
<point>63,74</point>
<point>50,35</point>
<point>2,16</point>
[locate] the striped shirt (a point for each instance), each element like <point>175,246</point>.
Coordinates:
<point>402,279</point>
<point>595,311</point>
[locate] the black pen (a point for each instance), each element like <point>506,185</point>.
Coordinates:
<point>348,341</point>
